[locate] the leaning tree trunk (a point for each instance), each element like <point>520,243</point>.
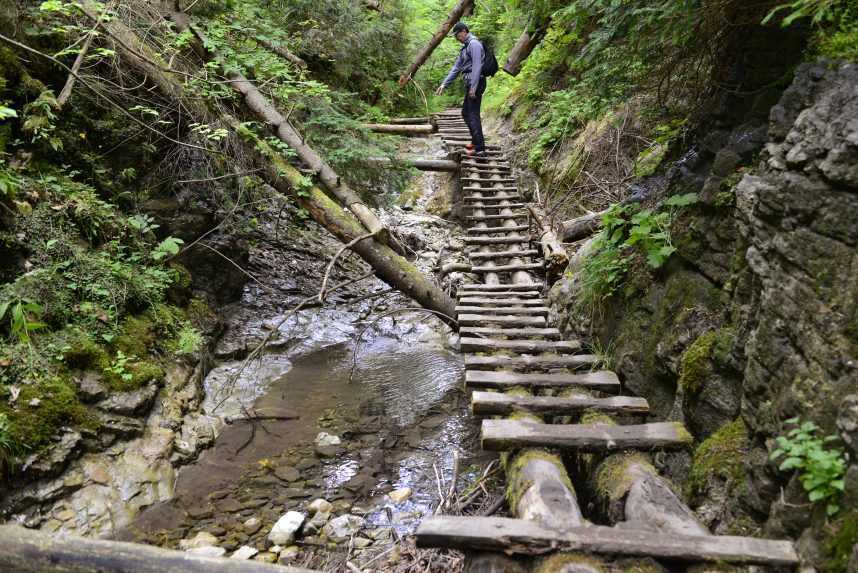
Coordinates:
<point>388,265</point>
<point>455,15</point>
<point>522,48</point>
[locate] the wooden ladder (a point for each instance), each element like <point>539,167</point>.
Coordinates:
<point>512,354</point>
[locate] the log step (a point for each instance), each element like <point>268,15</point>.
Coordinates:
<point>477,188</point>
<point>500,288</point>
<point>485,168</point>
<point>496,217</point>
<point>492,230</point>
<point>497,404</point>
<point>498,206</point>
<point>496,240</point>
<point>523,536</point>
<point>503,254</point>
<point>486,180</point>
<point>602,380</point>
<point>520,294</point>
<point>541,333</point>
<point>467,344</point>
<point>505,310</point>
<point>502,435</point>
<point>489,363</point>
<point>483,319</point>
<point>509,268</point>
<point>489,301</point>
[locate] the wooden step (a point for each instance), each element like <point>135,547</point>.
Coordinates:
<point>487,206</point>
<point>541,333</point>
<point>503,254</point>
<point>468,344</point>
<point>503,435</point>
<point>475,188</point>
<point>489,301</point>
<point>483,319</point>
<point>500,288</point>
<point>527,537</point>
<point>492,230</point>
<point>509,268</point>
<point>602,380</point>
<point>496,240</point>
<point>487,180</point>
<point>528,363</point>
<point>505,310</point>
<point>479,166</point>
<point>498,404</point>
<point>462,292</point>
<point>497,217</point>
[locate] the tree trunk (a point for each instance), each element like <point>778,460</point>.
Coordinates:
<point>421,164</point>
<point>28,551</point>
<point>522,49</point>
<point>455,15</point>
<point>388,265</point>
<point>282,51</point>
<point>556,259</point>
<point>582,227</point>
<point>401,129</point>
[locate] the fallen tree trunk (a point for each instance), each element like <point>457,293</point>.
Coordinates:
<point>282,51</point>
<point>582,227</point>
<point>388,265</point>
<point>29,551</point>
<point>409,120</point>
<point>556,258</point>
<point>421,164</point>
<point>401,129</point>
<point>455,15</point>
<point>522,49</point>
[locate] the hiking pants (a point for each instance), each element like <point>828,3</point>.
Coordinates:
<point>471,115</point>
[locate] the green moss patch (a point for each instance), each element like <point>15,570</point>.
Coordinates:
<point>613,478</point>
<point>698,361</point>
<point>720,456</point>
<point>842,542</point>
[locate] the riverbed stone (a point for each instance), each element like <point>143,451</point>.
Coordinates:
<point>244,552</point>
<point>283,532</point>
<point>318,505</point>
<point>201,539</point>
<point>325,439</point>
<point>287,473</point>
<point>266,557</point>
<point>207,551</point>
<point>400,495</point>
<point>316,523</point>
<point>343,526</point>
<point>306,463</point>
<point>288,554</point>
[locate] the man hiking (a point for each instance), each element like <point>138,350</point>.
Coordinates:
<point>469,63</point>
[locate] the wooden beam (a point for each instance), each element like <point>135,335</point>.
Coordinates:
<point>503,311</point>
<point>477,300</point>
<point>493,230</point>
<point>502,435</point>
<point>530,538</point>
<point>541,333</point>
<point>455,15</point>
<point>482,319</point>
<point>31,551</point>
<point>444,165</point>
<point>603,381</point>
<point>529,362</point>
<point>468,344</point>
<point>501,288</point>
<point>503,294</point>
<point>410,120</point>
<point>503,254</point>
<point>497,404</point>
<point>400,129</point>
<point>556,258</point>
<point>509,268</point>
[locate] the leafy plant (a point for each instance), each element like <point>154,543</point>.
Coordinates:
<point>821,468</point>
<point>819,11</point>
<point>117,367</point>
<point>9,447</point>
<point>7,112</point>
<point>169,247</point>
<point>24,317</point>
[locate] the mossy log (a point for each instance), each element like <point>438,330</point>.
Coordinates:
<point>29,551</point>
<point>387,264</point>
<point>445,165</point>
<point>401,129</point>
<point>459,10</point>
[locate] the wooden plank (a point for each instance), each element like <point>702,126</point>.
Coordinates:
<point>531,538</point>
<point>511,216</point>
<point>493,230</point>
<point>30,551</point>
<point>496,240</point>
<point>501,287</point>
<point>503,294</point>
<point>502,435</point>
<point>509,268</point>
<point>503,254</point>
<point>543,333</point>
<point>476,300</point>
<point>520,363</point>
<point>603,380</point>
<point>469,344</point>
<point>486,206</point>
<point>477,188</point>
<point>400,129</point>
<point>506,310</point>
<point>497,404</point>
<point>484,180</point>
<point>482,319</point>
<point>410,120</point>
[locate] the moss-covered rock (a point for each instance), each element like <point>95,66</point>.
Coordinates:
<point>842,541</point>
<point>720,457</point>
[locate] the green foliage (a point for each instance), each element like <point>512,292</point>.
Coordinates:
<point>840,545</point>
<point>7,112</point>
<point>188,340</point>
<point>627,232</point>
<point>821,467</point>
<point>23,317</point>
<point>722,456</point>
<point>9,447</point>
<point>169,247</point>
<point>820,12</point>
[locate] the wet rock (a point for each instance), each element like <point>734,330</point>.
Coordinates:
<point>228,505</point>
<point>266,557</point>
<point>91,387</point>
<point>130,403</point>
<point>289,554</point>
<point>316,523</point>
<point>207,551</point>
<point>306,463</point>
<point>361,542</point>
<point>287,473</point>
<point>244,552</point>
<point>197,433</point>
<point>325,439</point>
<point>283,532</point>
<point>120,426</point>
<point>400,495</point>
<point>343,527</point>
<point>327,452</point>
<point>53,459</point>
<point>847,421</point>
<point>201,539</point>
<point>318,505</point>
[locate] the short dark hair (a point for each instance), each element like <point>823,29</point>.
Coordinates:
<point>459,27</point>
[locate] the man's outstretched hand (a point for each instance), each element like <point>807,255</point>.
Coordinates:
<point>472,94</point>
<point>439,91</point>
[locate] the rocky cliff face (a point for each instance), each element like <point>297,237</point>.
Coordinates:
<point>755,321</point>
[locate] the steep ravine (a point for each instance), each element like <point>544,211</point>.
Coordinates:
<point>754,322</point>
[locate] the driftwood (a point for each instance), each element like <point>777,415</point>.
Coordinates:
<point>401,129</point>
<point>455,15</point>
<point>582,227</point>
<point>387,264</point>
<point>532,538</point>
<point>29,551</point>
